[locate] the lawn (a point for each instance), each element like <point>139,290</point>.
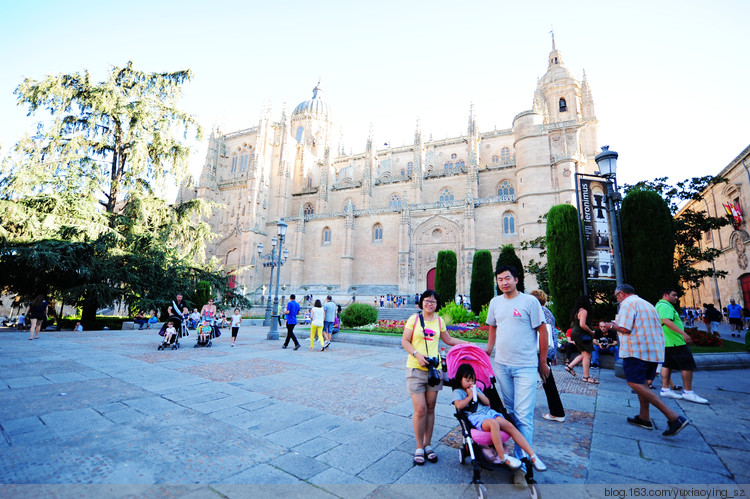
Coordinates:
<point>726,346</point>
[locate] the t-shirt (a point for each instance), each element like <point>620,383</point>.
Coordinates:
<point>236,320</point>
<point>330,310</point>
<point>516,319</point>
<point>735,311</point>
<point>317,316</point>
<point>293,308</point>
<point>428,344</point>
<point>646,338</point>
<point>477,407</point>
<point>667,311</point>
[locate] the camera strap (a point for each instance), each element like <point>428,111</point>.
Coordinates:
<point>421,323</point>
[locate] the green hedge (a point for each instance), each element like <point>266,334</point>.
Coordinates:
<point>358,314</point>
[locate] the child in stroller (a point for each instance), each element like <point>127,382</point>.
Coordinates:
<point>170,337</point>
<point>207,331</point>
<point>476,405</point>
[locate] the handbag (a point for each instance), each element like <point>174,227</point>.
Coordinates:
<point>433,376</point>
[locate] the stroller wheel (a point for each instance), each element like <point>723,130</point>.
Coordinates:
<point>195,346</point>
<point>208,344</point>
<point>481,490</point>
<point>534,491</point>
<point>461,455</point>
<point>161,347</point>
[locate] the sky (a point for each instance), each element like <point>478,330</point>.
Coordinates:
<point>669,78</point>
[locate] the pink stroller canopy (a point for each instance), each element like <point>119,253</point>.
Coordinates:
<point>476,357</point>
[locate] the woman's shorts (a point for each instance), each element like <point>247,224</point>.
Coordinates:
<point>416,381</point>
<point>477,419</point>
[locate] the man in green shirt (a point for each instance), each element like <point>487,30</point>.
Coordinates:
<point>677,354</point>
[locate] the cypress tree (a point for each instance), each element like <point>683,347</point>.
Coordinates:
<point>508,257</point>
<point>648,243</point>
<point>445,277</point>
<point>563,260</point>
<point>482,280</point>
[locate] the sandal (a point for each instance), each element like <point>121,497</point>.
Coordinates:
<point>590,379</point>
<point>431,456</point>
<point>419,457</point>
<point>570,370</point>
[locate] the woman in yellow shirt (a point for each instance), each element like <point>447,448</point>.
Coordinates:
<point>420,343</point>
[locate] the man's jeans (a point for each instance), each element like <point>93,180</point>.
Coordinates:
<point>595,354</point>
<point>328,327</point>
<point>518,387</point>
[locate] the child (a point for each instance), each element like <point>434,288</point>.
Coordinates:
<point>169,333</point>
<point>236,320</point>
<point>204,330</point>
<point>483,417</point>
<point>78,327</point>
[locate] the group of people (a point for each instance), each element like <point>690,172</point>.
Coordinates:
<point>390,301</point>
<point>521,329</point>
<point>323,318</point>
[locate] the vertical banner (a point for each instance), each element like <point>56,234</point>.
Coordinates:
<point>597,239</point>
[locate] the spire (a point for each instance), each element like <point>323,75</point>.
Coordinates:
<point>472,122</point>
<point>551,32</point>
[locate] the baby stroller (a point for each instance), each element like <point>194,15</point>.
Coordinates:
<point>209,331</point>
<point>477,445</point>
<point>180,326</point>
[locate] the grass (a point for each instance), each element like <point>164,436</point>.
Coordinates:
<point>727,346</point>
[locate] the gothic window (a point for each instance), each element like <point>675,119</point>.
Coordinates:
<point>300,131</point>
<point>309,181</point>
<point>377,233</point>
<point>447,166</point>
<point>410,168</point>
<point>563,105</point>
<point>395,203</point>
<point>446,197</point>
<point>495,159</point>
<point>460,164</point>
<point>234,164</point>
<point>454,156</point>
<point>509,223</point>
<point>326,236</point>
<point>308,209</point>
<point>243,163</point>
<point>505,154</point>
<point>349,203</point>
<point>505,189</point>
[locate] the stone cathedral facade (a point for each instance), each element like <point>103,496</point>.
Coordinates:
<point>373,222</point>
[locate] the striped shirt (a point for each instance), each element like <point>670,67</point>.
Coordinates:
<point>646,338</point>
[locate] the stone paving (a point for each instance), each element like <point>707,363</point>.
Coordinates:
<point>105,413</point>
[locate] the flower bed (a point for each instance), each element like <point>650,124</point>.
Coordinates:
<point>702,338</point>
<point>466,330</point>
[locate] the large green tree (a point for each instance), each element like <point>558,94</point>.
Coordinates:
<point>445,277</point>
<point>508,256</point>
<point>647,243</point>
<point>563,260</point>
<point>109,138</point>
<point>482,280</point>
<point>690,226</point>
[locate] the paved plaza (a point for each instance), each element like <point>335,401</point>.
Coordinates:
<point>107,409</point>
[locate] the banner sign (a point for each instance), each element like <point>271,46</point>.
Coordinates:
<point>597,240</point>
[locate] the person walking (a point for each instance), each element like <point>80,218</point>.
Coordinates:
<point>292,309</point>
<point>37,312</point>
<point>641,348</point>
<point>556,409</point>
<point>734,312</point>
<point>330,317</point>
<point>583,336</point>
<point>515,321</point>
<point>677,354</point>
<point>317,319</point>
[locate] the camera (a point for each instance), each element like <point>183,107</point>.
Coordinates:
<point>604,342</point>
<point>433,375</point>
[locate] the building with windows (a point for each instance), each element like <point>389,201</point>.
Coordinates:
<point>730,198</point>
<point>373,222</point>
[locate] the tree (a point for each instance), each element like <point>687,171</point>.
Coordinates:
<point>111,138</point>
<point>508,257</point>
<point>445,277</point>
<point>648,243</point>
<point>482,280</point>
<point>563,260</point>
<point>689,227</point>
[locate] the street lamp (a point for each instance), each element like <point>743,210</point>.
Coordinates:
<point>275,259</point>
<point>607,163</point>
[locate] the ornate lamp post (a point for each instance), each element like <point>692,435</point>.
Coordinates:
<point>607,163</point>
<point>275,259</point>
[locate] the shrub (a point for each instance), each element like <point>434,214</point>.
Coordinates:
<point>508,257</point>
<point>482,280</point>
<point>563,260</point>
<point>358,314</point>
<point>456,314</point>
<point>483,314</point>
<point>445,276</point>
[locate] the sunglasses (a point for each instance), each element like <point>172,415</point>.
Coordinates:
<point>429,333</point>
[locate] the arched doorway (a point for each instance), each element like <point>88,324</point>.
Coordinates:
<point>431,278</point>
<point>745,284</point>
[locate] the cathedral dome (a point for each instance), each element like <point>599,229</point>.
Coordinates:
<point>556,70</point>
<point>315,106</point>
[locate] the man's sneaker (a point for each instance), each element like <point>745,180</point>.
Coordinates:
<point>637,421</point>
<point>693,397</point>
<point>671,394</point>
<point>327,344</point>
<point>676,426</point>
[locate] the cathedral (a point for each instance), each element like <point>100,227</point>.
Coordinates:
<point>373,222</point>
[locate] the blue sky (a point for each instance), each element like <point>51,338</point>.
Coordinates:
<point>669,78</point>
